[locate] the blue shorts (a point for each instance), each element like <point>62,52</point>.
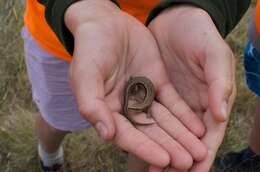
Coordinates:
<point>252,68</point>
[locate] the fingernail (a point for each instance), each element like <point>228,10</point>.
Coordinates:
<point>102,130</point>
<point>224,111</point>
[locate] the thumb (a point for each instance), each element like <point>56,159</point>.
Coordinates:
<point>88,87</point>
<point>89,70</point>
<point>220,77</point>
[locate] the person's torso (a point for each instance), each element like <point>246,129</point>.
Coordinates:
<point>35,22</point>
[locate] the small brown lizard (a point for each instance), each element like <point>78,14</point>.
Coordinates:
<point>132,85</point>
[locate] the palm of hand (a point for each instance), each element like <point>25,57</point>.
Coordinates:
<point>189,82</point>
<point>190,52</point>
<point>189,79</point>
<point>124,47</point>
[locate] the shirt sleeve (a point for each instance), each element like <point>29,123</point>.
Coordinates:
<point>54,15</point>
<point>225,13</point>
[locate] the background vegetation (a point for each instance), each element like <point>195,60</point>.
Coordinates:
<point>85,151</point>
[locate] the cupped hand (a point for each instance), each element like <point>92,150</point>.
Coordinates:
<point>201,67</point>
<point>111,46</point>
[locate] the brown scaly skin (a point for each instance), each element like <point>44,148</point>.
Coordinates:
<point>139,107</point>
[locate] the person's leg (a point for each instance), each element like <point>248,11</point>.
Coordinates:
<point>52,95</point>
<point>50,150</point>
<point>248,158</point>
<point>254,140</point>
<point>136,165</point>
<point>49,137</point>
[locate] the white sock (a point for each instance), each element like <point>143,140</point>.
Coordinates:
<point>49,159</point>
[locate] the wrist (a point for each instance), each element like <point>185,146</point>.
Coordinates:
<point>85,11</point>
<point>180,18</point>
<point>186,8</point>
<point>180,12</point>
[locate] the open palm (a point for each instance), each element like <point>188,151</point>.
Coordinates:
<point>201,67</point>
<point>109,48</point>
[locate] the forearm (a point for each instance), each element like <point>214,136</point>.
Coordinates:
<point>225,14</point>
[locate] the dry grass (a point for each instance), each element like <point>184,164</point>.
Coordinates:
<point>85,151</point>
<point>243,111</point>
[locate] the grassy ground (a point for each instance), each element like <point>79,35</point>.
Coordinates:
<point>86,152</point>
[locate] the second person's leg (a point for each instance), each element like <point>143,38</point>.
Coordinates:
<point>254,141</point>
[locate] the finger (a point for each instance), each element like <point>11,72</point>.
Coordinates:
<point>168,96</point>
<point>136,164</point>
<point>212,139</point>
<point>88,88</point>
<point>219,71</point>
<point>180,158</point>
<point>175,170</point>
<point>89,70</point>
<point>175,129</point>
<point>155,169</point>
<point>135,142</point>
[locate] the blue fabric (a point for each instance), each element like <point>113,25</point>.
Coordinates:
<point>252,68</point>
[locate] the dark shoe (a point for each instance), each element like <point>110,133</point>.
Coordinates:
<point>55,168</point>
<point>243,161</point>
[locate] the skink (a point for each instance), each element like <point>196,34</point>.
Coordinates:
<point>134,84</point>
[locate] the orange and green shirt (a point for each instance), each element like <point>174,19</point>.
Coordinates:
<point>45,18</point>
<point>36,23</point>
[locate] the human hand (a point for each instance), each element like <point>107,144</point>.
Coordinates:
<point>111,46</point>
<point>201,67</point>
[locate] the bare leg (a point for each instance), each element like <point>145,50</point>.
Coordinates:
<point>136,165</point>
<point>255,135</point>
<point>49,137</point>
